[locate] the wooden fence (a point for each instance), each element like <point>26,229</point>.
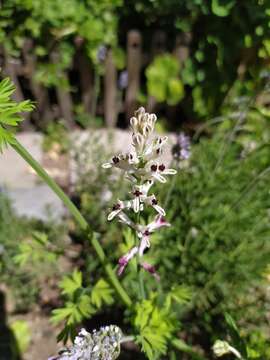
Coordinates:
<point>111,102</point>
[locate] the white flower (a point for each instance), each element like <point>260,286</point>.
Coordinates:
<point>143,123</point>
<point>158,223</point>
<point>154,150</point>
<point>117,208</point>
<point>156,171</point>
<point>221,348</point>
<point>142,169</point>
<point>138,141</point>
<point>144,232</point>
<point>125,162</point>
<point>124,219</point>
<point>152,201</point>
<point>140,195</point>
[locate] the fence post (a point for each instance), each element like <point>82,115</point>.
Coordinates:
<point>63,96</point>
<point>134,54</point>
<point>158,47</point>
<point>86,79</point>
<point>11,70</point>
<point>181,50</point>
<point>110,90</point>
<point>43,110</point>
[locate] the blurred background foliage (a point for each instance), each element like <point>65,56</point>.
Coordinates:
<point>206,50</point>
<point>29,251</point>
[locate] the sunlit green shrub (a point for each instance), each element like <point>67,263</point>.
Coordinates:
<point>219,245</point>
<point>29,251</point>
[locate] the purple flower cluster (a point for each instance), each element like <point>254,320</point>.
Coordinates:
<point>181,150</point>
<point>101,53</point>
<point>123,80</point>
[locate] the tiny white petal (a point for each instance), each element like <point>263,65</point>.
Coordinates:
<point>136,204</point>
<point>145,243</point>
<point>159,209</point>
<point>169,172</point>
<point>106,165</point>
<point>113,214</point>
<point>159,177</point>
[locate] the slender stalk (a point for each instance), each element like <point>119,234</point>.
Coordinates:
<point>235,352</point>
<point>183,347</point>
<point>77,216</point>
<point>141,284</point>
<point>140,271</point>
<point>127,339</point>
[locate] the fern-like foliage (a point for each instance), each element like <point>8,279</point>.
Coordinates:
<point>156,326</point>
<point>10,112</point>
<point>36,251</point>
<point>80,302</point>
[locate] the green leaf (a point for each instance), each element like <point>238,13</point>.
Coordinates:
<point>175,91</point>
<point>69,331</point>
<point>85,307</point>
<point>184,347</point>
<point>40,238</point>
<point>10,112</point>
<point>74,312</point>
<point>163,79</point>
<point>22,334</point>
<point>71,283</point>
<point>155,325</point>
<point>101,293</point>
<point>238,342</point>
<point>222,7</point>
<point>180,294</point>
<point>61,314</point>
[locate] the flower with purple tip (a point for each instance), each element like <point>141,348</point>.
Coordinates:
<point>142,168</point>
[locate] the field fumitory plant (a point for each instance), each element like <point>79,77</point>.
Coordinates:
<point>149,315</point>
<point>142,169</point>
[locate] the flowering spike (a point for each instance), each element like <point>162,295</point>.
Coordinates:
<point>142,168</point>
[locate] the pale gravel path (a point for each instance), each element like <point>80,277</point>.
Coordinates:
<point>29,195</point>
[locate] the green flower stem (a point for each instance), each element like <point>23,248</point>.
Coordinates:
<point>183,347</point>
<point>140,271</point>
<point>141,284</point>
<point>127,339</point>
<point>77,216</point>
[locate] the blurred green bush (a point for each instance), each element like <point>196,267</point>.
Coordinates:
<point>218,247</point>
<point>227,44</point>
<point>29,250</point>
<point>219,242</point>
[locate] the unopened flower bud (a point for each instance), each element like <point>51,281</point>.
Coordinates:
<point>134,124</point>
<point>221,348</point>
<point>138,141</point>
